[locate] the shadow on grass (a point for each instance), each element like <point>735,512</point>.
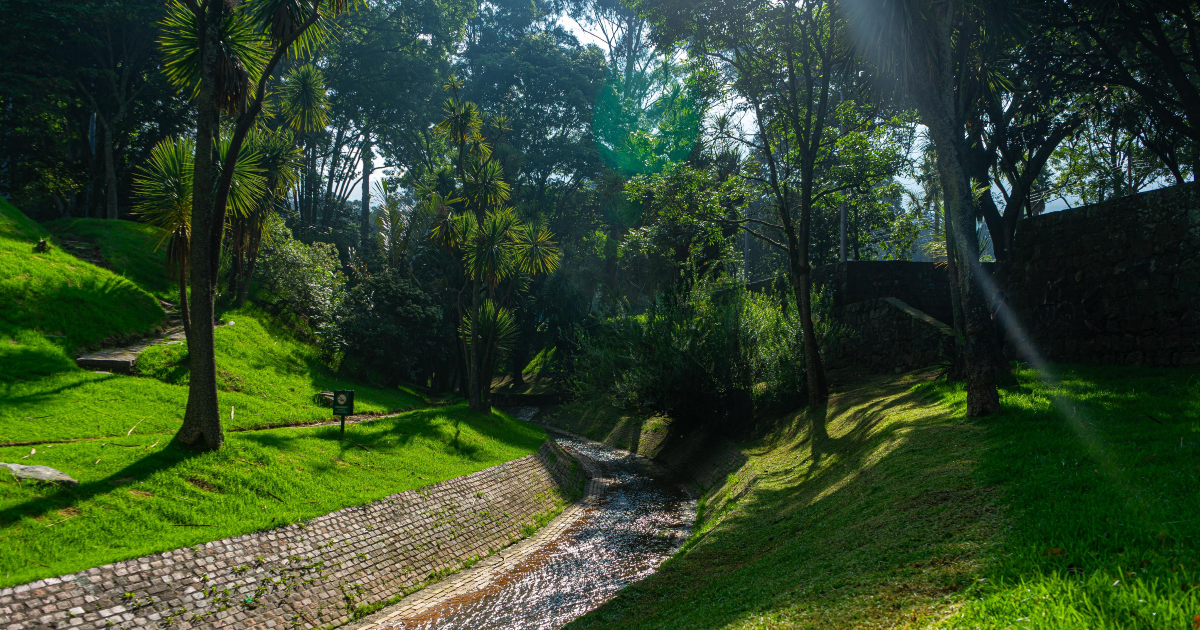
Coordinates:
<point>59,496</point>
<point>868,512</point>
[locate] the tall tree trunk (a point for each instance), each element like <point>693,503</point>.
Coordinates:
<point>110,172</point>
<point>364,227</point>
<point>958,366</point>
<point>202,420</point>
<point>979,338</point>
<point>801,278</point>
<point>251,258</point>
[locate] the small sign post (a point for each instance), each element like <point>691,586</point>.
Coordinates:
<point>343,405</point>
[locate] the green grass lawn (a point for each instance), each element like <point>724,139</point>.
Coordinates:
<point>146,496</point>
<point>266,376</point>
<point>130,249</point>
<point>73,303</point>
<point>1077,507</point>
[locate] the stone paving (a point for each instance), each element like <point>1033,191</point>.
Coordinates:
<point>318,574</point>
<point>483,574</point>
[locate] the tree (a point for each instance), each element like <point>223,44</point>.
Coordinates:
<point>163,189</point>
<point>941,57</point>
<point>220,53</point>
<point>790,64</point>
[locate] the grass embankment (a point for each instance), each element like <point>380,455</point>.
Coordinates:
<point>266,377</point>
<point>1077,507</point>
<point>145,496</point>
<point>56,298</point>
<point>129,249</point>
<point>600,421</point>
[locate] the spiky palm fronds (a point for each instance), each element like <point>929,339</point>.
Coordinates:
<point>491,250</point>
<point>163,189</point>
<point>283,19</point>
<point>461,122</point>
<point>448,230</point>
<point>485,186</point>
<point>497,328</point>
<point>304,104</point>
<point>536,251</point>
<point>242,57</point>
<point>279,157</point>
<point>248,188</point>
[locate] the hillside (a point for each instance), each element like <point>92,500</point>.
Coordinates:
<point>1074,508</point>
<point>138,493</point>
<point>127,248</point>
<point>56,296</point>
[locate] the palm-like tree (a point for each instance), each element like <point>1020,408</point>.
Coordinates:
<point>163,189</point>
<point>212,49</point>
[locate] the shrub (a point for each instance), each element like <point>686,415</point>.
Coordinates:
<point>390,325</point>
<point>718,354</point>
<point>306,281</point>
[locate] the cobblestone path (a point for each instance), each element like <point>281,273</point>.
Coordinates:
<point>633,518</point>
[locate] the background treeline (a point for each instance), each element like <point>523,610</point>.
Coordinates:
<point>639,210</point>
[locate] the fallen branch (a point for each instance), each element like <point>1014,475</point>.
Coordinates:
<point>121,445</point>
<point>273,495</point>
<point>36,417</point>
<point>37,563</point>
<point>189,525</point>
<point>130,431</point>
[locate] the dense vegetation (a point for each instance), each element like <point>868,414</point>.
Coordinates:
<point>622,200</point>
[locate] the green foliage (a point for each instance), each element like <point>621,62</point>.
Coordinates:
<point>715,354</point>
<point>648,116</point>
<point>303,103</point>
<point>131,501</point>
<point>390,325</point>
<point>304,280</point>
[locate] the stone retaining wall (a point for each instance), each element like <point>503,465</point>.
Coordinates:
<point>1116,282</point>
<point>318,574</point>
<point>887,335</point>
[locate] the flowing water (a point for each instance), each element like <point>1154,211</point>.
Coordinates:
<point>636,523</point>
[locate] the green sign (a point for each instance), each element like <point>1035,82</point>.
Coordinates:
<point>343,402</point>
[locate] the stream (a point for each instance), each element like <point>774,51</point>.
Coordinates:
<point>635,524</point>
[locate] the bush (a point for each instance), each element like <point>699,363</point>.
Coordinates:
<point>392,326</point>
<point>305,281</point>
<point>719,354</point>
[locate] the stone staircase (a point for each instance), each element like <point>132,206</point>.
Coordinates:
<point>122,359</point>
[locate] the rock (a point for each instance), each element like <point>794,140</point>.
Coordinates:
<point>40,473</point>
<point>324,399</point>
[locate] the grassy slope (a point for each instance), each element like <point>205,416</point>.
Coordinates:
<point>891,510</point>
<point>133,500</point>
<point>54,293</point>
<point>138,494</point>
<point>129,249</point>
<point>267,379</point>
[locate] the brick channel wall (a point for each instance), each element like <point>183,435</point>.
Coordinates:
<point>887,335</point>
<point>1116,282</point>
<point>317,574</point>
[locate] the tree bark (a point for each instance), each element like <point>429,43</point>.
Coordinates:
<point>364,228</point>
<point>110,173</point>
<point>202,420</point>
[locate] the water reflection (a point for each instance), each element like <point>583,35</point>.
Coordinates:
<point>639,521</point>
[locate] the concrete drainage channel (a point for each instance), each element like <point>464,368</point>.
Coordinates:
<point>633,518</point>
<point>325,572</point>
